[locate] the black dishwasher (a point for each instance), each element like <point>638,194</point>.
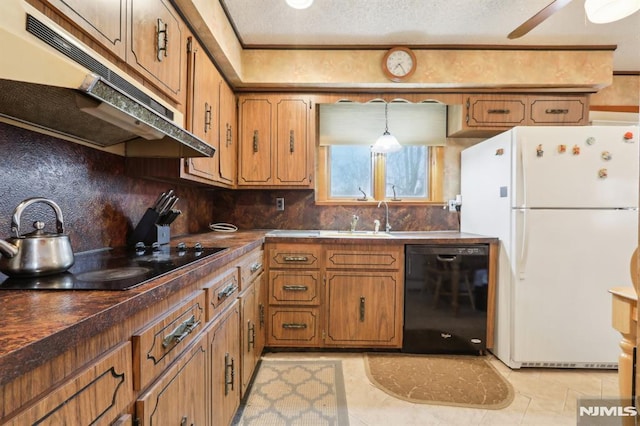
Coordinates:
<point>445,303</point>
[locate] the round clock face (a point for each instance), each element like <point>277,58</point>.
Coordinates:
<point>399,63</point>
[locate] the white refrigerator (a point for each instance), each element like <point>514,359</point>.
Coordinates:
<point>564,203</point>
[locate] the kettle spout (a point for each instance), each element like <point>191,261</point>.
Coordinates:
<point>8,250</point>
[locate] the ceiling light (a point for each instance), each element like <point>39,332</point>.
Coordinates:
<point>299,4</point>
<point>604,11</point>
<point>387,142</point>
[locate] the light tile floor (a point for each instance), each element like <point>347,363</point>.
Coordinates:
<point>543,397</point>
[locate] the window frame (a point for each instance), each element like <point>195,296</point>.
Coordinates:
<point>435,188</point>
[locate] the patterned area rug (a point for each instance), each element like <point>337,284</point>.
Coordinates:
<point>296,393</point>
<point>465,381</point>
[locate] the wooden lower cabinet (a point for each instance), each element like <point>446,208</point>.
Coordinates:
<point>96,396</point>
<point>248,333</point>
<point>362,309</point>
<point>178,396</point>
<point>223,366</point>
<point>335,295</point>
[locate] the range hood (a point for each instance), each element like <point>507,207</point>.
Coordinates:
<point>52,83</point>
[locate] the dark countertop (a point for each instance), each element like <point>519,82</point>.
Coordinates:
<point>38,325</point>
<point>400,237</point>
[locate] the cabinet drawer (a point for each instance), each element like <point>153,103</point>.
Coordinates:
<point>158,345</point>
<point>252,265</point>
<point>294,288</point>
<point>293,327</point>
<point>294,256</point>
<point>364,257</point>
<point>221,291</point>
<point>558,111</point>
<point>496,112</point>
<point>98,395</point>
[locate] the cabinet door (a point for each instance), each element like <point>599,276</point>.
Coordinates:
<point>255,142</point>
<point>202,111</point>
<point>98,395</point>
<point>261,306</point>
<point>104,21</point>
<point>157,46</point>
<point>559,110</point>
<point>178,396</point>
<point>362,309</point>
<point>223,366</point>
<point>247,336</point>
<point>227,150</point>
<point>292,151</point>
<point>496,111</point>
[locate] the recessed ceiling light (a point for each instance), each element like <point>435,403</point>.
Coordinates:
<point>299,4</point>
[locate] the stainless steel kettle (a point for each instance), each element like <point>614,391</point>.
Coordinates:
<point>38,252</point>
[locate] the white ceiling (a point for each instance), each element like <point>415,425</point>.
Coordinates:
<point>424,22</point>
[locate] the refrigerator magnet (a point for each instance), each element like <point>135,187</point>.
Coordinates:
<point>539,151</point>
<point>500,151</point>
<point>591,140</point>
<point>628,136</point>
<point>606,155</point>
<point>603,173</point>
<point>562,149</point>
<point>576,150</point>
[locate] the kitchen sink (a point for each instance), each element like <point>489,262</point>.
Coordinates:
<point>354,234</point>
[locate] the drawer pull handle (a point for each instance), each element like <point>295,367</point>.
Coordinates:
<point>227,291</point>
<point>229,373</point>
<point>295,288</point>
<point>229,139</point>
<point>291,141</point>
<point>294,325</point>
<point>180,332</point>
<point>361,308</point>
<point>498,111</point>
<point>255,267</point>
<point>255,141</point>
<point>556,111</point>
<point>296,258</point>
<point>251,336</point>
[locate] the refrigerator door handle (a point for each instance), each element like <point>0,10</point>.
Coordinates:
<point>522,264</point>
<point>523,168</point>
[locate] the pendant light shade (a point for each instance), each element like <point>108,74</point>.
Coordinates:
<point>387,142</point>
<point>605,11</point>
<point>299,4</point>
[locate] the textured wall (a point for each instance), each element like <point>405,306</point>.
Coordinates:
<point>100,205</point>
<point>249,209</point>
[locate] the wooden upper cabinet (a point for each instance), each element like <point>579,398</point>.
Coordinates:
<point>292,142</point>
<point>489,114</point>
<point>255,156</point>
<point>202,108</point>
<point>227,150</point>
<point>104,21</point>
<point>275,143</point>
<point>157,47</point>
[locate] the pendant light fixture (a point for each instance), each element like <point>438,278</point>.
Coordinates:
<point>605,11</point>
<point>299,4</point>
<point>387,142</point>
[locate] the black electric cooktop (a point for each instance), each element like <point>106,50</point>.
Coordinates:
<point>113,269</point>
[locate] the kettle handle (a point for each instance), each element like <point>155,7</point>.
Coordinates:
<point>15,222</point>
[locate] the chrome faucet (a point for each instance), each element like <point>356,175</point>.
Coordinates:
<point>354,222</point>
<point>387,226</point>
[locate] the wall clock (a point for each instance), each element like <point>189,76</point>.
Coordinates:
<point>399,63</point>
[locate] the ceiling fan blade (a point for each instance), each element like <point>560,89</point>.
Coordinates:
<point>538,18</point>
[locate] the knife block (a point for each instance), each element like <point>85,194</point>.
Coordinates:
<point>149,232</point>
